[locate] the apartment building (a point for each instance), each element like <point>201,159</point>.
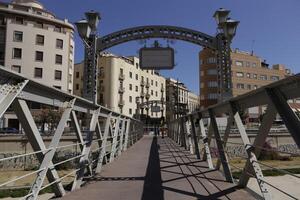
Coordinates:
<point>123,86</point>
<point>249,72</point>
<point>193,102</point>
<point>36,44</point>
<point>177,98</point>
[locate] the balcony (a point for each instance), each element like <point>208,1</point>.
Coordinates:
<point>121,102</point>
<point>143,83</point>
<point>162,89</point>
<point>147,96</point>
<point>143,94</point>
<point>121,89</point>
<point>121,77</point>
<point>147,85</point>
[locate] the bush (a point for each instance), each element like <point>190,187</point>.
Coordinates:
<point>269,153</point>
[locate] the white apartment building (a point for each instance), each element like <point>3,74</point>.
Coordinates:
<point>193,101</point>
<point>36,44</point>
<point>123,85</point>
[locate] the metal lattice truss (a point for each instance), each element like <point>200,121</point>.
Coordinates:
<point>111,132</point>
<point>190,131</point>
<point>146,32</point>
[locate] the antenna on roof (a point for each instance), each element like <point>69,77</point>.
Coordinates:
<point>252,47</point>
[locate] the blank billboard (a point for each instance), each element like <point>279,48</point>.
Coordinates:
<point>157,58</point>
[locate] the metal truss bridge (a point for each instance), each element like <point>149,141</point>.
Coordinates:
<point>115,160</point>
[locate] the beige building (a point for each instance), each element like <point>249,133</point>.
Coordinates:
<point>193,102</point>
<point>249,72</point>
<point>36,43</point>
<point>123,85</point>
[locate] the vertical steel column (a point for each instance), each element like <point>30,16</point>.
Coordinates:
<point>36,141</point>
<point>225,164</point>
<point>206,146</point>
<point>122,136</point>
<point>107,129</point>
<point>209,136</point>
<point>183,133</point>
<point>35,189</point>
<point>249,150</point>
<point>225,138</point>
<point>126,134</point>
<point>115,140</point>
<point>287,114</point>
<point>259,141</point>
<point>188,130</point>
<point>195,137</point>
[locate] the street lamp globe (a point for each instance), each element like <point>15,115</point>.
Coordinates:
<point>93,19</point>
<point>229,28</point>
<point>221,16</point>
<point>83,28</point>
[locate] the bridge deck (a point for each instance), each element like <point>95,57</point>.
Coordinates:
<point>168,172</point>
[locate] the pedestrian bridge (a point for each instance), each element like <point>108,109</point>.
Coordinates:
<point>115,159</point>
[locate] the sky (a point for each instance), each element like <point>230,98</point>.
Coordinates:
<point>271,28</point>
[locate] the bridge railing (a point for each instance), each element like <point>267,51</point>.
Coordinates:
<point>102,135</point>
<point>199,132</point>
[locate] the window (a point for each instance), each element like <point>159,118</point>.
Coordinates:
<point>212,96</point>
<point>77,86</point>
<point>18,36</point>
<point>212,72</point>
<point>130,111</point>
<point>156,83</point>
<point>211,84</point>
<point>59,44</point>
<point>19,20</point>
<point>77,74</point>
<point>151,82</point>
<point>57,29</point>
<point>57,87</point>
<point>248,75</point>
<point>240,86</point>
<point>39,56</point>
<point>39,24</point>
<point>137,65</point>
<point>17,53</point>
<point>136,88</point>
<point>255,76</point>
<point>121,71</point>
<point>38,72</point>
<point>130,86</point>
<point>130,74</point>
<point>156,93</point>
<point>239,63</point>
<point>57,75</point>
<point>263,77</point>
<point>275,78</point>
<point>130,99</point>
<point>40,39</point>
<point>16,68</point>
<point>136,77</point>
<point>247,64</point>
<point>249,87</point>
<point>253,64</point>
<point>151,92</point>
<point>58,59</point>
<point>211,60</point>
<point>240,74</point>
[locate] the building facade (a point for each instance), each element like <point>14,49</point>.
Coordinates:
<point>177,98</point>
<point>36,44</point>
<point>124,87</point>
<point>193,102</point>
<point>249,72</point>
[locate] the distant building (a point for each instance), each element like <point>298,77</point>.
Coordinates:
<point>249,72</point>
<point>123,85</point>
<point>193,102</point>
<point>36,44</point>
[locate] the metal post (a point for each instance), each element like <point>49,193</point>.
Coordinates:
<point>287,114</point>
<point>249,150</point>
<point>206,146</point>
<point>115,140</point>
<point>195,137</point>
<point>183,133</point>
<point>122,136</point>
<point>224,161</point>
<point>126,134</point>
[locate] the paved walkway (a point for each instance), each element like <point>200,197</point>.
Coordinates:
<point>167,172</point>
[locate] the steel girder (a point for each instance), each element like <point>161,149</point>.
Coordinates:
<point>155,31</point>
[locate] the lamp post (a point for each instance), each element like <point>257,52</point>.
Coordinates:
<point>87,30</point>
<point>226,31</point>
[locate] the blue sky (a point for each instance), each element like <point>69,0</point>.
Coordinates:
<point>273,25</point>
